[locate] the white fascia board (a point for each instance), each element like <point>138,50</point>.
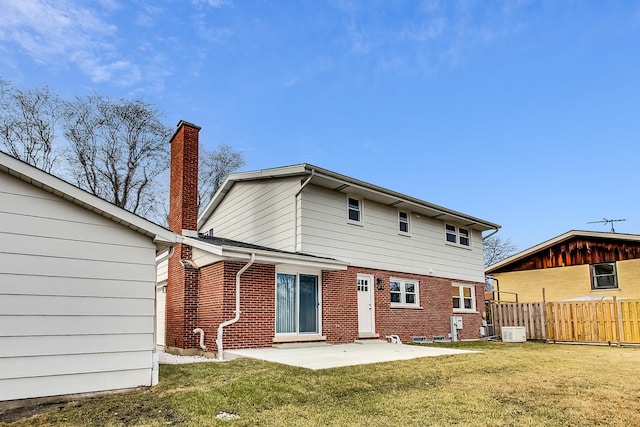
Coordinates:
<point>207,247</point>
<point>59,187</point>
<point>366,187</point>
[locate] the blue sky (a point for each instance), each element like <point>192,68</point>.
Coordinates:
<point>523,113</point>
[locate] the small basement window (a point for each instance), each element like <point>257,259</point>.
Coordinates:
<point>603,276</point>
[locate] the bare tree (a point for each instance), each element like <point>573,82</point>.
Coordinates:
<point>118,150</point>
<point>494,250</point>
<point>28,120</point>
<point>214,168</point>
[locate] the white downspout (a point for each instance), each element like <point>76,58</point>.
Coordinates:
<point>237,316</point>
<point>295,211</point>
<point>155,359</point>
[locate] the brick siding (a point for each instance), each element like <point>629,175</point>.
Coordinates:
<point>183,283</point>
<point>216,303</point>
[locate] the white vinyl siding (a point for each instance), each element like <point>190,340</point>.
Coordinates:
<point>377,244</point>
<point>258,212</point>
<point>76,297</point>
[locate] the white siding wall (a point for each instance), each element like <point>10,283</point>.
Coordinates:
<point>161,302</point>
<point>258,212</point>
<point>378,244</point>
<point>76,297</point>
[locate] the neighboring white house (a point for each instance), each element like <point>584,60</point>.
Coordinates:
<point>77,281</point>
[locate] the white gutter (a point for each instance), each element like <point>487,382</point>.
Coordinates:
<point>490,234</point>
<point>155,359</point>
<point>237,316</point>
<point>295,211</point>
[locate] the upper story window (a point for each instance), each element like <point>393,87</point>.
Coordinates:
<point>354,207</point>
<point>451,234</point>
<point>404,292</point>
<point>403,222</point>
<point>464,236</point>
<point>457,235</point>
<point>603,276</point>
<point>463,297</point>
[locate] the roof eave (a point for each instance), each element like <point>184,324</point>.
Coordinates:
<point>559,239</point>
<point>307,169</point>
<point>162,237</point>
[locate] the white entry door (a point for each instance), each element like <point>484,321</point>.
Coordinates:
<point>366,317</point>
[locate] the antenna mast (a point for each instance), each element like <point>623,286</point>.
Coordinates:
<point>607,221</point>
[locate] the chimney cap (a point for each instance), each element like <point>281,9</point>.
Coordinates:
<point>185,123</point>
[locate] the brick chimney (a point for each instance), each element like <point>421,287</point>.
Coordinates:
<point>183,209</point>
<point>183,282</point>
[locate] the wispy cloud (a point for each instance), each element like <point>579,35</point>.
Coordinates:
<point>62,32</point>
<point>437,34</point>
<point>211,3</point>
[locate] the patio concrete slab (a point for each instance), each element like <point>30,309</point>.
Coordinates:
<point>333,356</point>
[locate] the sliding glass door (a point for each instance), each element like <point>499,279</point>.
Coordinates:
<point>297,304</point>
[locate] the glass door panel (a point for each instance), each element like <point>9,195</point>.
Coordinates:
<point>308,304</point>
<point>286,303</point>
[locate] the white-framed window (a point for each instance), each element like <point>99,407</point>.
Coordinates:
<point>465,238</point>
<point>451,233</point>
<point>603,276</point>
<point>354,209</point>
<point>457,235</point>
<point>297,302</point>
<point>404,292</point>
<point>404,222</point>
<point>464,297</point>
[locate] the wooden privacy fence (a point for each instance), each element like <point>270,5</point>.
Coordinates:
<point>610,321</point>
<point>527,314</point>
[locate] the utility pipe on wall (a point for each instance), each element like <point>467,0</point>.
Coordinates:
<point>237,311</point>
<point>201,332</point>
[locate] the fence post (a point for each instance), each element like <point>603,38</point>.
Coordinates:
<point>616,315</point>
<point>543,320</point>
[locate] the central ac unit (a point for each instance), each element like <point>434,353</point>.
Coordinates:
<point>514,334</point>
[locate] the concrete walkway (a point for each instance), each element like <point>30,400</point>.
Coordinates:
<point>333,356</point>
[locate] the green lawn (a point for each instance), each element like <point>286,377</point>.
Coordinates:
<point>530,384</point>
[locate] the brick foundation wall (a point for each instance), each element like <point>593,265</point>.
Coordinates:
<point>339,303</point>
<point>435,300</point>
<point>217,303</point>
<point>182,302</point>
<point>340,306</point>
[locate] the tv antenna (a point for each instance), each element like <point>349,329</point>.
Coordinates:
<point>607,221</point>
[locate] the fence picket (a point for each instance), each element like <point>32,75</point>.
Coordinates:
<point>614,321</point>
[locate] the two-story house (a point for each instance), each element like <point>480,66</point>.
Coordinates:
<point>308,254</point>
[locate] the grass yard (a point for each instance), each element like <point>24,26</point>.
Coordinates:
<point>530,384</point>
